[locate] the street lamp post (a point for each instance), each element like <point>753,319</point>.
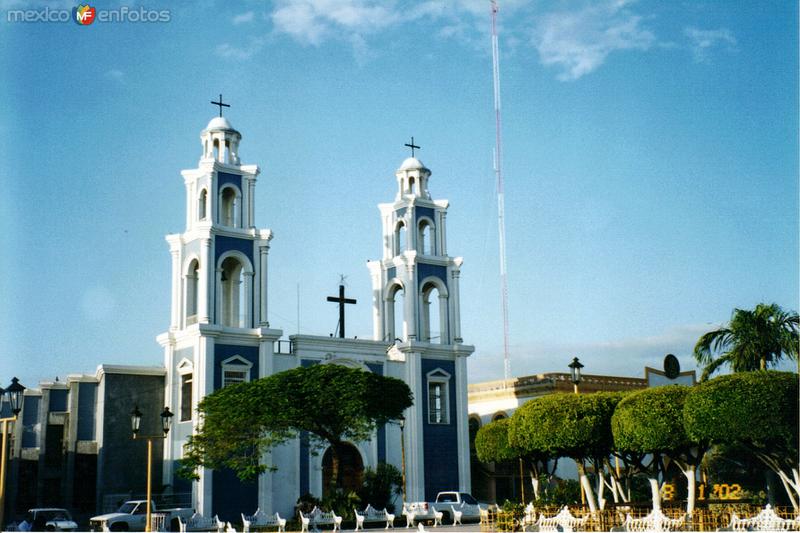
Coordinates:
<point>166,422</point>
<point>14,395</point>
<point>402,423</point>
<point>575,377</point>
<point>575,373</point>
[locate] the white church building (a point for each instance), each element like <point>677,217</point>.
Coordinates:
<point>219,333</point>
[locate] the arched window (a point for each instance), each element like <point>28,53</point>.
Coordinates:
<point>434,313</point>
<point>394,306</point>
<point>426,245</point>
<point>229,207</point>
<point>411,185</point>
<point>232,293</point>
<point>191,289</point>
<point>216,149</point>
<point>202,205</point>
<point>400,238</point>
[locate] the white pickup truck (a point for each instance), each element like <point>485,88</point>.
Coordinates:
<point>132,515</point>
<point>447,503</point>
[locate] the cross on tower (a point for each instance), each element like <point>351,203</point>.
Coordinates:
<point>221,105</point>
<point>341,300</point>
<point>412,145</point>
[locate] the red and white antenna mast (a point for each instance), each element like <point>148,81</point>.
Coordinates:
<point>498,165</point>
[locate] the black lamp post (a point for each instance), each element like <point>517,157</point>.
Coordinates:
<point>166,423</point>
<point>402,423</point>
<point>575,373</point>
<point>14,395</point>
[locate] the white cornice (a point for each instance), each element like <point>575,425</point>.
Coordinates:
<point>130,369</point>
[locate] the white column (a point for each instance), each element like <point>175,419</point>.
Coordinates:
<point>204,372</point>
<point>462,425</point>
<point>220,294</point>
<point>378,303</point>
<point>265,368</point>
<point>411,229</point>
<point>455,321</point>
<point>263,317</point>
<point>251,209</point>
<point>414,444</point>
<point>445,330</point>
<point>443,233</point>
<point>248,299</point>
<point>410,302</point>
<point>177,282</point>
<point>169,387</point>
<point>205,290</point>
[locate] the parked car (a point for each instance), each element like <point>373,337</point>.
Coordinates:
<point>48,519</point>
<point>132,515</point>
<point>446,503</point>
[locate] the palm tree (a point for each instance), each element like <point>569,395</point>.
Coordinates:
<point>752,341</point>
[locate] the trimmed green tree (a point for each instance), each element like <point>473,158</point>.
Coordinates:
<point>577,426</point>
<point>751,341</point>
<point>492,445</point>
<point>331,403</point>
<point>648,430</point>
<point>755,410</point>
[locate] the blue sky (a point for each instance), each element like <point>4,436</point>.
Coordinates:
<point>651,164</point>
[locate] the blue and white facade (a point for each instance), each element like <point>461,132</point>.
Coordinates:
<point>220,334</point>
<point>219,330</point>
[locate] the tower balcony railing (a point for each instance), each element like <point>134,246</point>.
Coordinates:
<point>283,347</point>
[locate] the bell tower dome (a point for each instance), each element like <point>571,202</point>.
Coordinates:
<point>220,142</point>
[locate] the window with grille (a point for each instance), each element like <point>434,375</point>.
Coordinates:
<point>232,377</point>
<point>186,397</point>
<point>438,397</point>
<point>235,370</point>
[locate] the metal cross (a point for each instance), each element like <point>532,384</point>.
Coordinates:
<point>221,105</point>
<point>341,300</point>
<point>412,146</point>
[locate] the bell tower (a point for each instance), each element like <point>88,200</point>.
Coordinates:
<point>219,330</point>
<point>416,282</point>
<point>416,311</point>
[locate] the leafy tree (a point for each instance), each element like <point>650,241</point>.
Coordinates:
<point>380,486</point>
<point>755,410</point>
<point>751,341</point>
<point>492,445</point>
<point>577,426</point>
<point>648,429</point>
<point>332,403</point>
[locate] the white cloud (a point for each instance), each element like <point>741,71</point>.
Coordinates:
<point>239,53</point>
<point>243,18</point>
<point>580,41</point>
<point>703,41</point>
<point>313,21</point>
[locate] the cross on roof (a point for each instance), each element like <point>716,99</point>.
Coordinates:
<point>221,105</point>
<point>341,300</point>
<point>412,146</point>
